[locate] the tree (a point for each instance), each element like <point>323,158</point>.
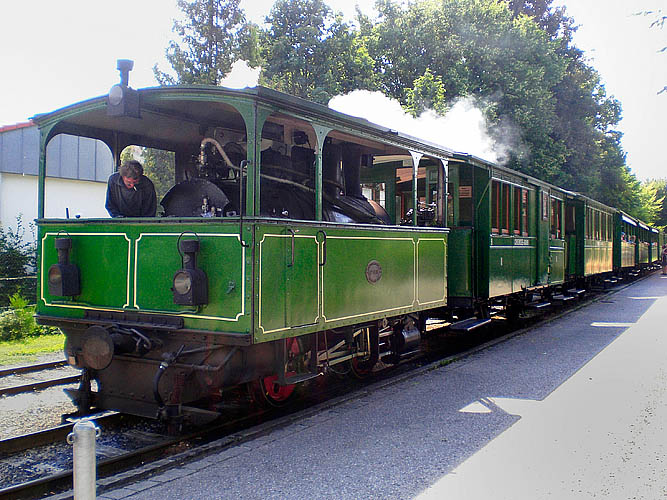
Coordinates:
<point>213,36</point>
<point>311,53</point>
<point>427,92</point>
<point>159,165</point>
<point>654,197</point>
<point>477,48</point>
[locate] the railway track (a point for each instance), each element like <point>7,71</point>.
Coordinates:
<point>155,452</point>
<point>28,377</point>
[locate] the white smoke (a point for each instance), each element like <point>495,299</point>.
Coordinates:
<point>463,129</point>
<point>241,76</point>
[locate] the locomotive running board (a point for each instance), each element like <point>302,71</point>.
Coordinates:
<point>469,324</point>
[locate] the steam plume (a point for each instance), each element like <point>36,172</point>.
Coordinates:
<point>464,128</point>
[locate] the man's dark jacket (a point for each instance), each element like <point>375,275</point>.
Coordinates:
<point>140,201</point>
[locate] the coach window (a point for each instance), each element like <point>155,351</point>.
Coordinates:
<point>545,205</point>
<point>598,225</point>
<point>516,199</point>
<point>430,193</point>
<point>506,209</point>
<point>524,212</point>
<point>569,219</point>
<point>495,207</point>
<point>556,222</point>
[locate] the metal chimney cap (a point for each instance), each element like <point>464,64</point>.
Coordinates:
<point>124,66</point>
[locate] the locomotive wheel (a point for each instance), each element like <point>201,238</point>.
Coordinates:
<point>367,339</point>
<point>267,391</point>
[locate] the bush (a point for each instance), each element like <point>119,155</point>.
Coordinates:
<point>17,260</point>
<point>18,322</point>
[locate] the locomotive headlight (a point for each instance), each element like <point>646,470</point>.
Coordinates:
<point>63,276</point>
<point>55,276</point>
<point>123,100</point>
<point>182,282</point>
<point>115,95</point>
<point>190,285</point>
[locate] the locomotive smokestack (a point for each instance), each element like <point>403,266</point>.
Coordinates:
<point>124,66</point>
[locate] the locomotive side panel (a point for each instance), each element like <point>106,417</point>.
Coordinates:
<point>127,268</point>
<point>316,276</point>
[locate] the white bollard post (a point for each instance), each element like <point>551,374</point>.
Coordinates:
<point>83,438</point>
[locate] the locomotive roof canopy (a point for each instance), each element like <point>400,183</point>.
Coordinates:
<point>176,116</point>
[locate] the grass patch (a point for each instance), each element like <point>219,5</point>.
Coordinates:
<point>28,350</point>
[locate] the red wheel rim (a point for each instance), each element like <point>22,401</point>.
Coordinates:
<point>276,392</point>
<point>272,390</point>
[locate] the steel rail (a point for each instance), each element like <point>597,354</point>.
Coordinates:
<point>31,368</point>
<point>38,385</point>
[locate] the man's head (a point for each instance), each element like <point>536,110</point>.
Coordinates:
<point>131,172</point>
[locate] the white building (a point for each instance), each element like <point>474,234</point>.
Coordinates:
<point>77,169</point>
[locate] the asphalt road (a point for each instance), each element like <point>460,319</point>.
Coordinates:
<point>573,409</point>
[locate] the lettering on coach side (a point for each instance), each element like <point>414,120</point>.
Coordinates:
<point>521,242</point>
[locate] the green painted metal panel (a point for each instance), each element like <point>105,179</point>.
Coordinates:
<point>220,256</point>
<point>459,267</point>
<point>431,270</point>
<point>627,254</point>
<point>130,266</point>
<point>103,258</point>
<point>501,272</point>
<point>288,278</point>
<point>571,255</point>
<point>347,292</point>
<point>344,275</point>
<point>643,252</point>
<point>557,253</point>
<point>523,262</point>
<point>511,264</point>
<point>598,257</point>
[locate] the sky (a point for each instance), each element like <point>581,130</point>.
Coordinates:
<point>57,53</point>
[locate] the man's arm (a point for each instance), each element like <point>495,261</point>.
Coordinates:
<point>150,207</point>
<point>110,204</point>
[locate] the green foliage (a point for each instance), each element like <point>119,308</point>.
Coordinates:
<point>427,92</point>
<point>17,262</point>
<point>212,36</point>
<point>661,192</point>
<point>127,154</point>
<point>311,53</point>
<point>18,321</point>
<point>159,166</point>
<point>652,202</point>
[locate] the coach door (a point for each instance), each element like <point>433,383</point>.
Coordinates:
<point>556,241</point>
